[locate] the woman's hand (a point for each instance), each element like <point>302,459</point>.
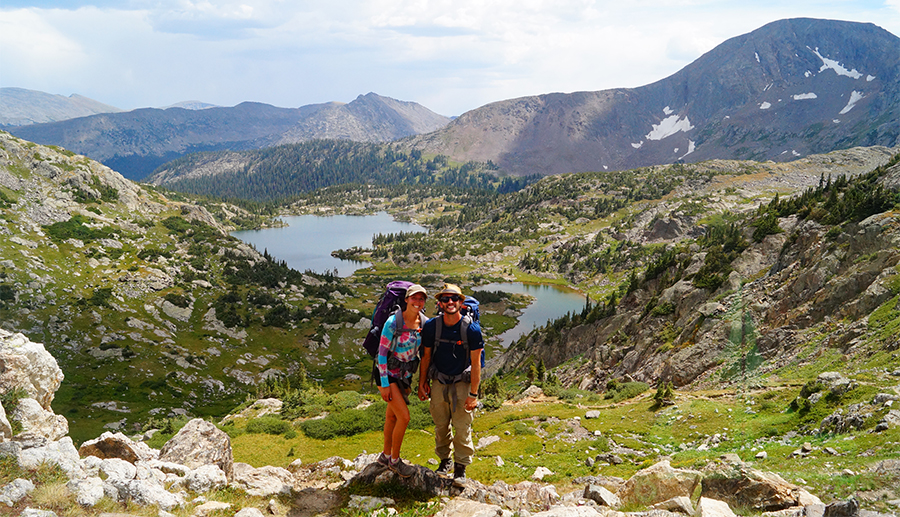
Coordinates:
<point>385,393</point>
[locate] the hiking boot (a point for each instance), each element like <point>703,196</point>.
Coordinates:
<point>402,469</point>
<point>444,468</point>
<point>383,460</point>
<point>459,475</point>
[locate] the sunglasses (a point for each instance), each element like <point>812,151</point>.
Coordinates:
<point>449,298</point>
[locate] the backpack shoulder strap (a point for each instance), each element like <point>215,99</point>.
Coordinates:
<point>438,329</point>
<point>398,321</point>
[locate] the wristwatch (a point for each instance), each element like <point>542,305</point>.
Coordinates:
<point>473,395</point>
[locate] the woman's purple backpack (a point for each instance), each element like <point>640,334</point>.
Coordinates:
<point>394,297</point>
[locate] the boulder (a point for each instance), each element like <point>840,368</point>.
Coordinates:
<point>848,508</point>
<point>249,512</point>
<point>27,365</point>
<point>571,511</point>
<point>659,483</point>
<point>210,508</point>
<point>117,445</point>
<point>541,472</point>
<point>264,481</point>
<point>601,496</point>
<point>205,478</point>
<point>143,492</point>
<point>679,504</point>
<point>200,443</point>
<point>424,480</point>
<point>707,507</point>
<point>751,488</point>
<point>34,512</point>
<point>487,440</point>
<point>466,508</point>
<point>88,491</point>
<point>115,468</point>
<point>39,421</point>
<point>14,492</point>
<point>61,453</point>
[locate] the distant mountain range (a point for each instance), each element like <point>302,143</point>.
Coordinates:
<point>20,107</point>
<point>135,143</point>
<point>791,88</point>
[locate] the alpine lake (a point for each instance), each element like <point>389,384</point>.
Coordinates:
<point>306,243</point>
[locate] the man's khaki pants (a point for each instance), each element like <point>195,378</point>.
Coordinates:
<point>461,421</point>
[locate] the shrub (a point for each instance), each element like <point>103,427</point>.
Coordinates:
<point>627,390</point>
<point>307,402</point>
<point>344,400</point>
<point>75,228</point>
<point>522,429</point>
<point>268,425</point>
<point>178,300</point>
<point>10,400</point>
<point>354,421</point>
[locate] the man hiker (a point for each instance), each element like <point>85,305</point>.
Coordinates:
<point>449,373</point>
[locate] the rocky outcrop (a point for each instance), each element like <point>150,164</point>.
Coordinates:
<point>25,365</point>
<point>197,444</point>
<point>779,287</point>
<point>117,445</point>
<point>659,483</point>
<point>39,422</point>
<point>746,487</point>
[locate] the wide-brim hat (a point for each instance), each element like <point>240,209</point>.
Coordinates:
<point>415,288</point>
<point>449,289</point>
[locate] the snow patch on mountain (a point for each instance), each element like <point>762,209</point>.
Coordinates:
<point>805,96</point>
<point>668,111</point>
<point>691,146</point>
<point>765,106</point>
<point>637,145</point>
<point>834,65</point>
<point>668,127</point>
<point>855,97</point>
<point>870,78</point>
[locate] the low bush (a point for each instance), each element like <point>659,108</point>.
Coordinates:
<point>354,421</point>
<point>626,390</point>
<point>268,425</point>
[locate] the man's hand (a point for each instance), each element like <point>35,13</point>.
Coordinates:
<point>471,403</point>
<point>424,391</point>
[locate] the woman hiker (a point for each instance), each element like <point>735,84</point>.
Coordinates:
<point>397,359</point>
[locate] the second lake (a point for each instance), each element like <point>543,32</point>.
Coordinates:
<point>307,241</point>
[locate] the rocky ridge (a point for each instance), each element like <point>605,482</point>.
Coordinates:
<point>198,460</point>
<point>788,89</point>
<point>19,107</point>
<point>791,286</point>
<point>137,142</point>
<point>98,293</point>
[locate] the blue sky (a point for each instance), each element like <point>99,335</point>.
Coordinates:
<point>449,55</point>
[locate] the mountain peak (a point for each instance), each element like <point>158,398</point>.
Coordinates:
<point>790,88</point>
<point>20,106</point>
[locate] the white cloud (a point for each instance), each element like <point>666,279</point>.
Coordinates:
<point>33,47</point>
<point>450,55</point>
